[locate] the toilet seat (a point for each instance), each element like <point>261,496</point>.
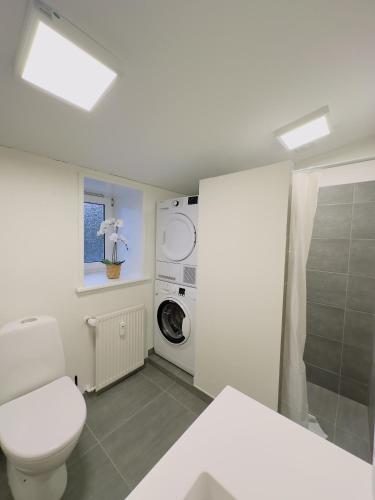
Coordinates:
<point>40,425</point>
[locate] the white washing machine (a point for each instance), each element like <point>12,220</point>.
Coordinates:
<point>174,324</point>
<point>176,240</point>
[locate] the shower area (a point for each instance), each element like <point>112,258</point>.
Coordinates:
<point>338,333</point>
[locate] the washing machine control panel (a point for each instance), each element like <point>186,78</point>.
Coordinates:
<point>170,289</point>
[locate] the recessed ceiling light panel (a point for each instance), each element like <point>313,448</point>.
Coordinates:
<point>60,59</point>
<point>306,130</point>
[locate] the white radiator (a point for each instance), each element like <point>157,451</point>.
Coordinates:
<point>119,344</point>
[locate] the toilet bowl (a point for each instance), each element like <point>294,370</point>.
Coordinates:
<point>41,424</point>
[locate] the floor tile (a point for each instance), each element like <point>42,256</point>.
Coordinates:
<point>185,377</point>
<point>336,194</point>
<point>85,443</point>
<point>322,402</point>
<point>109,409</point>
<point>355,390</point>
<point>327,427</point>
<point>188,399</point>
<point>353,416</point>
<point>158,377</point>
<point>137,445</point>
<point>353,444</point>
<point>93,477</point>
<point>163,364</point>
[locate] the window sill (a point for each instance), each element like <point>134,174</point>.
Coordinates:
<point>96,282</point>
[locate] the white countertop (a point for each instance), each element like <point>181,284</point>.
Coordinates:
<point>255,453</point>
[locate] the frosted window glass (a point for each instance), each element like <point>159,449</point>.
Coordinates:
<point>94,215</point>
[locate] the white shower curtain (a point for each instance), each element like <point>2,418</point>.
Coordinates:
<point>294,405</point>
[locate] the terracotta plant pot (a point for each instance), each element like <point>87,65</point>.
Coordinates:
<point>113,271</point>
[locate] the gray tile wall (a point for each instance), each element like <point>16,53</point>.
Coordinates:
<point>341,291</point>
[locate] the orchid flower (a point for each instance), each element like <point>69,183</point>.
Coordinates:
<point>113,225</point>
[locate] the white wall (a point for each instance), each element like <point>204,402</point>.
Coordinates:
<point>347,174</point>
<point>129,209</point>
<point>40,254</point>
<point>241,262</point>
<point>363,148</point>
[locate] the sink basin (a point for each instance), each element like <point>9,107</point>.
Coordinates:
<point>207,488</point>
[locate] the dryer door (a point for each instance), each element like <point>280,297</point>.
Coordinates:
<point>174,322</point>
<point>177,236</point>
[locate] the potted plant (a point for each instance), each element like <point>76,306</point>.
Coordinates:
<point>111,227</point>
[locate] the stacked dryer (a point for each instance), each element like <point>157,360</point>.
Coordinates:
<point>176,272</point>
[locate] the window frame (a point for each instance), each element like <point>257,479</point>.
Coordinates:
<point>98,199</point>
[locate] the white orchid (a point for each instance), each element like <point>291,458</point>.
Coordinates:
<point>103,228</point>
<point>123,239</point>
<point>113,225</point>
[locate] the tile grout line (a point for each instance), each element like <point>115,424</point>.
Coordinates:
<point>175,377</point>
<point>110,459</point>
<point>171,395</point>
<point>130,417</point>
<point>164,370</point>
<point>116,468</point>
<point>173,382</point>
<point>325,304</point>
<point>84,453</point>
<point>344,323</point>
<point>182,405</point>
<point>312,334</point>
<point>100,442</point>
<point>336,374</point>
<point>356,275</point>
<point>346,203</point>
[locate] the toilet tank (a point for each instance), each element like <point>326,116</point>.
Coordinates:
<point>31,355</point>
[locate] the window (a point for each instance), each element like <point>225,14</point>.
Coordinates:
<point>94,247</point>
<point>103,200</point>
<point>96,209</point>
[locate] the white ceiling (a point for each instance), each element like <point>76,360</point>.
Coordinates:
<point>205,84</point>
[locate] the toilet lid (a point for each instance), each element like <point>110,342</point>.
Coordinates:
<point>43,421</point>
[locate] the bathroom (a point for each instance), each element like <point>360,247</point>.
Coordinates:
<point>245,263</point>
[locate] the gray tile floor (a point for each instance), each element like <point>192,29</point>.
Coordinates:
<point>344,421</point>
<point>129,428</point>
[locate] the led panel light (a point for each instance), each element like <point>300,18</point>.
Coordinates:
<point>58,65</point>
<point>305,131</point>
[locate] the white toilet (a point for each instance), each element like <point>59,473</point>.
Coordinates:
<point>42,412</point>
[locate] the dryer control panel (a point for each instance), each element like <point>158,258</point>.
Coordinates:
<point>186,201</point>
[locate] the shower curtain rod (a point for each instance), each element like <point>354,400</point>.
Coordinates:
<point>338,164</point>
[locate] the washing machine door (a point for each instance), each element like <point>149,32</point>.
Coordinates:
<point>174,322</point>
<point>177,237</point>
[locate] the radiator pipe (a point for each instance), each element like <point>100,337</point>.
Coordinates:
<point>91,321</point>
